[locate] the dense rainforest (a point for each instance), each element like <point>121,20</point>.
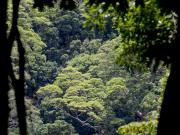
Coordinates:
<point>80,76</point>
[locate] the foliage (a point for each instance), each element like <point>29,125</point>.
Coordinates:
<point>91,101</point>
<point>146,34</point>
<point>145,28</point>
<point>59,127</point>
<point>79,80</point>
<point>140,128</point>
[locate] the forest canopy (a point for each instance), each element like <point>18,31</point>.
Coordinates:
<point>98,69</point>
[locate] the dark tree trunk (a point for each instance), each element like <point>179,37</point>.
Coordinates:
<point>170,108</point>
<point>19,83</point>
<point>170,112</point>
<point>4,69</point>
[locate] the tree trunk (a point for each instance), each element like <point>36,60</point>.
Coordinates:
<point>170,112</point>
<point>170,108</point>
<point>4,69</point>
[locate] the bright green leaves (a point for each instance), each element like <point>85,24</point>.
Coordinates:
<point>89,89</point>
<point>31,40</point>
<point>59,127</point>
<point>82,99</point>
<point>139,128</point>
<point>50,91</point>
<point>83,62</point>
<point>87,97</point>
<point>69,77</point>
<point>117,84</point>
